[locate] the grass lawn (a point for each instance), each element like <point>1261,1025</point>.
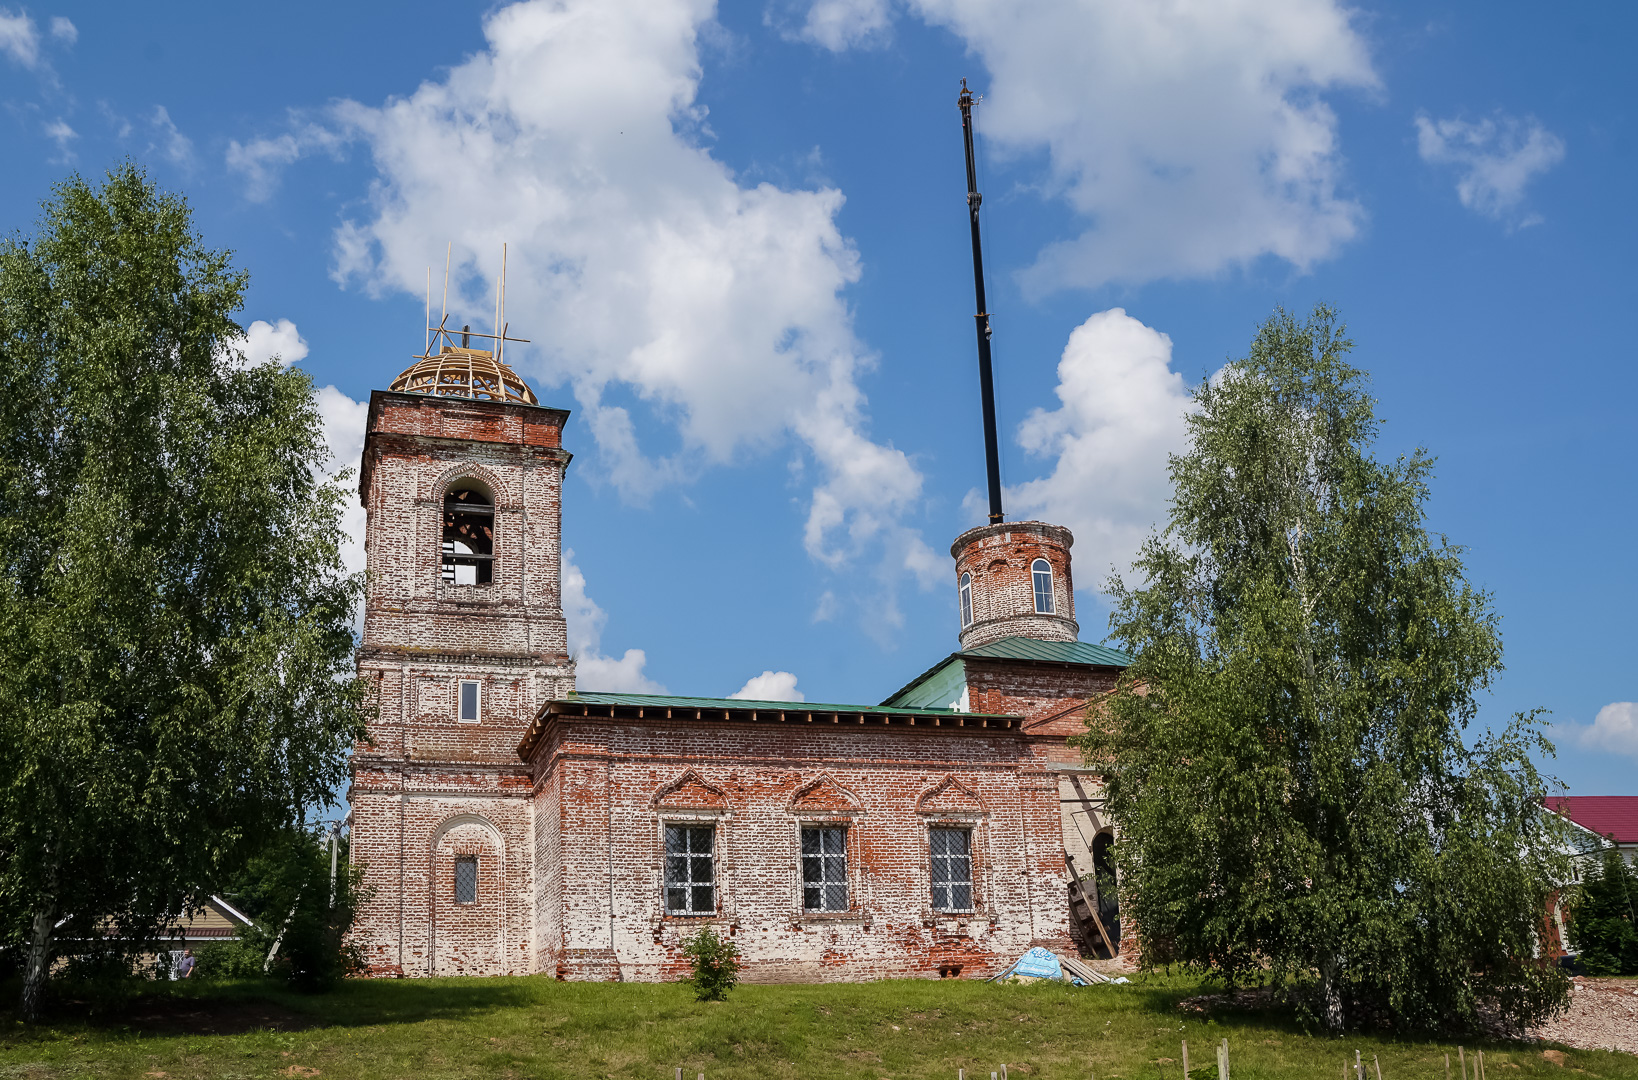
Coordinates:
<point>533,1027</point>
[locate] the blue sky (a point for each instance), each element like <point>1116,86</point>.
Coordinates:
<point>737,242</point>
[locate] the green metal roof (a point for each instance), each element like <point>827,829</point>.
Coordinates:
<point>1020,648</point>
<point>775,711</point>
<point>663,701</point>
<point>1060,652</point>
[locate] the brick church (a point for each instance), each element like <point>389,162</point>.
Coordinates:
<point>507,824</point>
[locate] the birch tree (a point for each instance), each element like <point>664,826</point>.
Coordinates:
<point>1289,759</point>
<point>175,623</point>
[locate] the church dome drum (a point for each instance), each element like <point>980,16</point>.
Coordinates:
<point>1013,580</point>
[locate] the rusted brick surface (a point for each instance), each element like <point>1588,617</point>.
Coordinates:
<point>607,787</point>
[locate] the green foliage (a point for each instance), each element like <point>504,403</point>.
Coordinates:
<point>286,889</point>
<point>238,958</point>
<point>716,964</point>
<point>1286,753</point>
<point>175,625</point>
<point>1603,923</point>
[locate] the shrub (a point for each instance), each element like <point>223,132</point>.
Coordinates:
<point>1602,924</point>
<point>716,964</point>
<point>240,958</point>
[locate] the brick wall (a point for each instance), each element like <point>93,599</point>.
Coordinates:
<point>606,788</point>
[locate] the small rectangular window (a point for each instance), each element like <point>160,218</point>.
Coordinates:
<point>466,879</point>
<point>824,868</point>
<point>469,701</point>
<point>690,879</point>
<point>952,852</point>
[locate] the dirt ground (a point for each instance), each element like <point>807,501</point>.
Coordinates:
<point>1603,1015</point>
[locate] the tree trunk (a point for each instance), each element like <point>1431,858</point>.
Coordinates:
<point>1331,994</point>
<point>37,962</point>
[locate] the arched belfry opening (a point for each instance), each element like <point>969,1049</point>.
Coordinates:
<point>469,535</point>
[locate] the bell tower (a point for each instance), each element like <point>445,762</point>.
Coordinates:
<point>464,640</point>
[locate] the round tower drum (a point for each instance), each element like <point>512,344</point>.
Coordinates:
<point>1013,580</point>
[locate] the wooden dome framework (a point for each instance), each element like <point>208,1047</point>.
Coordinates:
<point>458,370</point>
<point>454,371</point>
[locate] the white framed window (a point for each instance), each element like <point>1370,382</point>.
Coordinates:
<point>966,600</point>
<point>466,879</point>
<point>952,868</point>
<point>690,870</point>
<point>1041,571</point>
<point>471,701</point>
<point>824,868</point>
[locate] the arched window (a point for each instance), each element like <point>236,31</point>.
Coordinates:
<point>469,537</point>
<point>1041,571</point>
<point>966,600</point>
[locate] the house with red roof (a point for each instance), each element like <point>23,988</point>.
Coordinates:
<point>1610,818</point>
<point>1598,823</point>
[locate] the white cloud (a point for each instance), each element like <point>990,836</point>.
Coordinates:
<point>769,686</point>
<point>260,161</point>
<point>1121,415</point>
<point>19,38</point>
<point>1190,136</point>
<point>843,24</point>
<point>64,30</point>
<point>1495,159</point>
<point>593,670</point>
<point>175,146</point>
<point>1614,730</point>
<point>575,136</point>
<point>60,133</point>
<point>264,341</point>
<point>344,421</point>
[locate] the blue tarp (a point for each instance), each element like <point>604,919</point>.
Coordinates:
<point>1038,963</point>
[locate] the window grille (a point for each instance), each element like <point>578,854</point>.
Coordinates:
<point>466,879</point>
<point>469,701</point>
<point>966,600</point>
<point>690,879</point>
<point>1041,571</point>
<point>952,869</point>
<point>824,868</point>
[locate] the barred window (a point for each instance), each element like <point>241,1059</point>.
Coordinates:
<point>1041,572</point>
<point>952,852</point>
<point>824,868</point>
<point>690,885</point>
<point>466,879</point>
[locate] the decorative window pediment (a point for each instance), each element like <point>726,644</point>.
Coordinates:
<point>950,797</point>
<point>690,792</point>
<point>824,797</point>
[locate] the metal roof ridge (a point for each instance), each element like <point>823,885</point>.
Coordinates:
<point>599,697</point>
